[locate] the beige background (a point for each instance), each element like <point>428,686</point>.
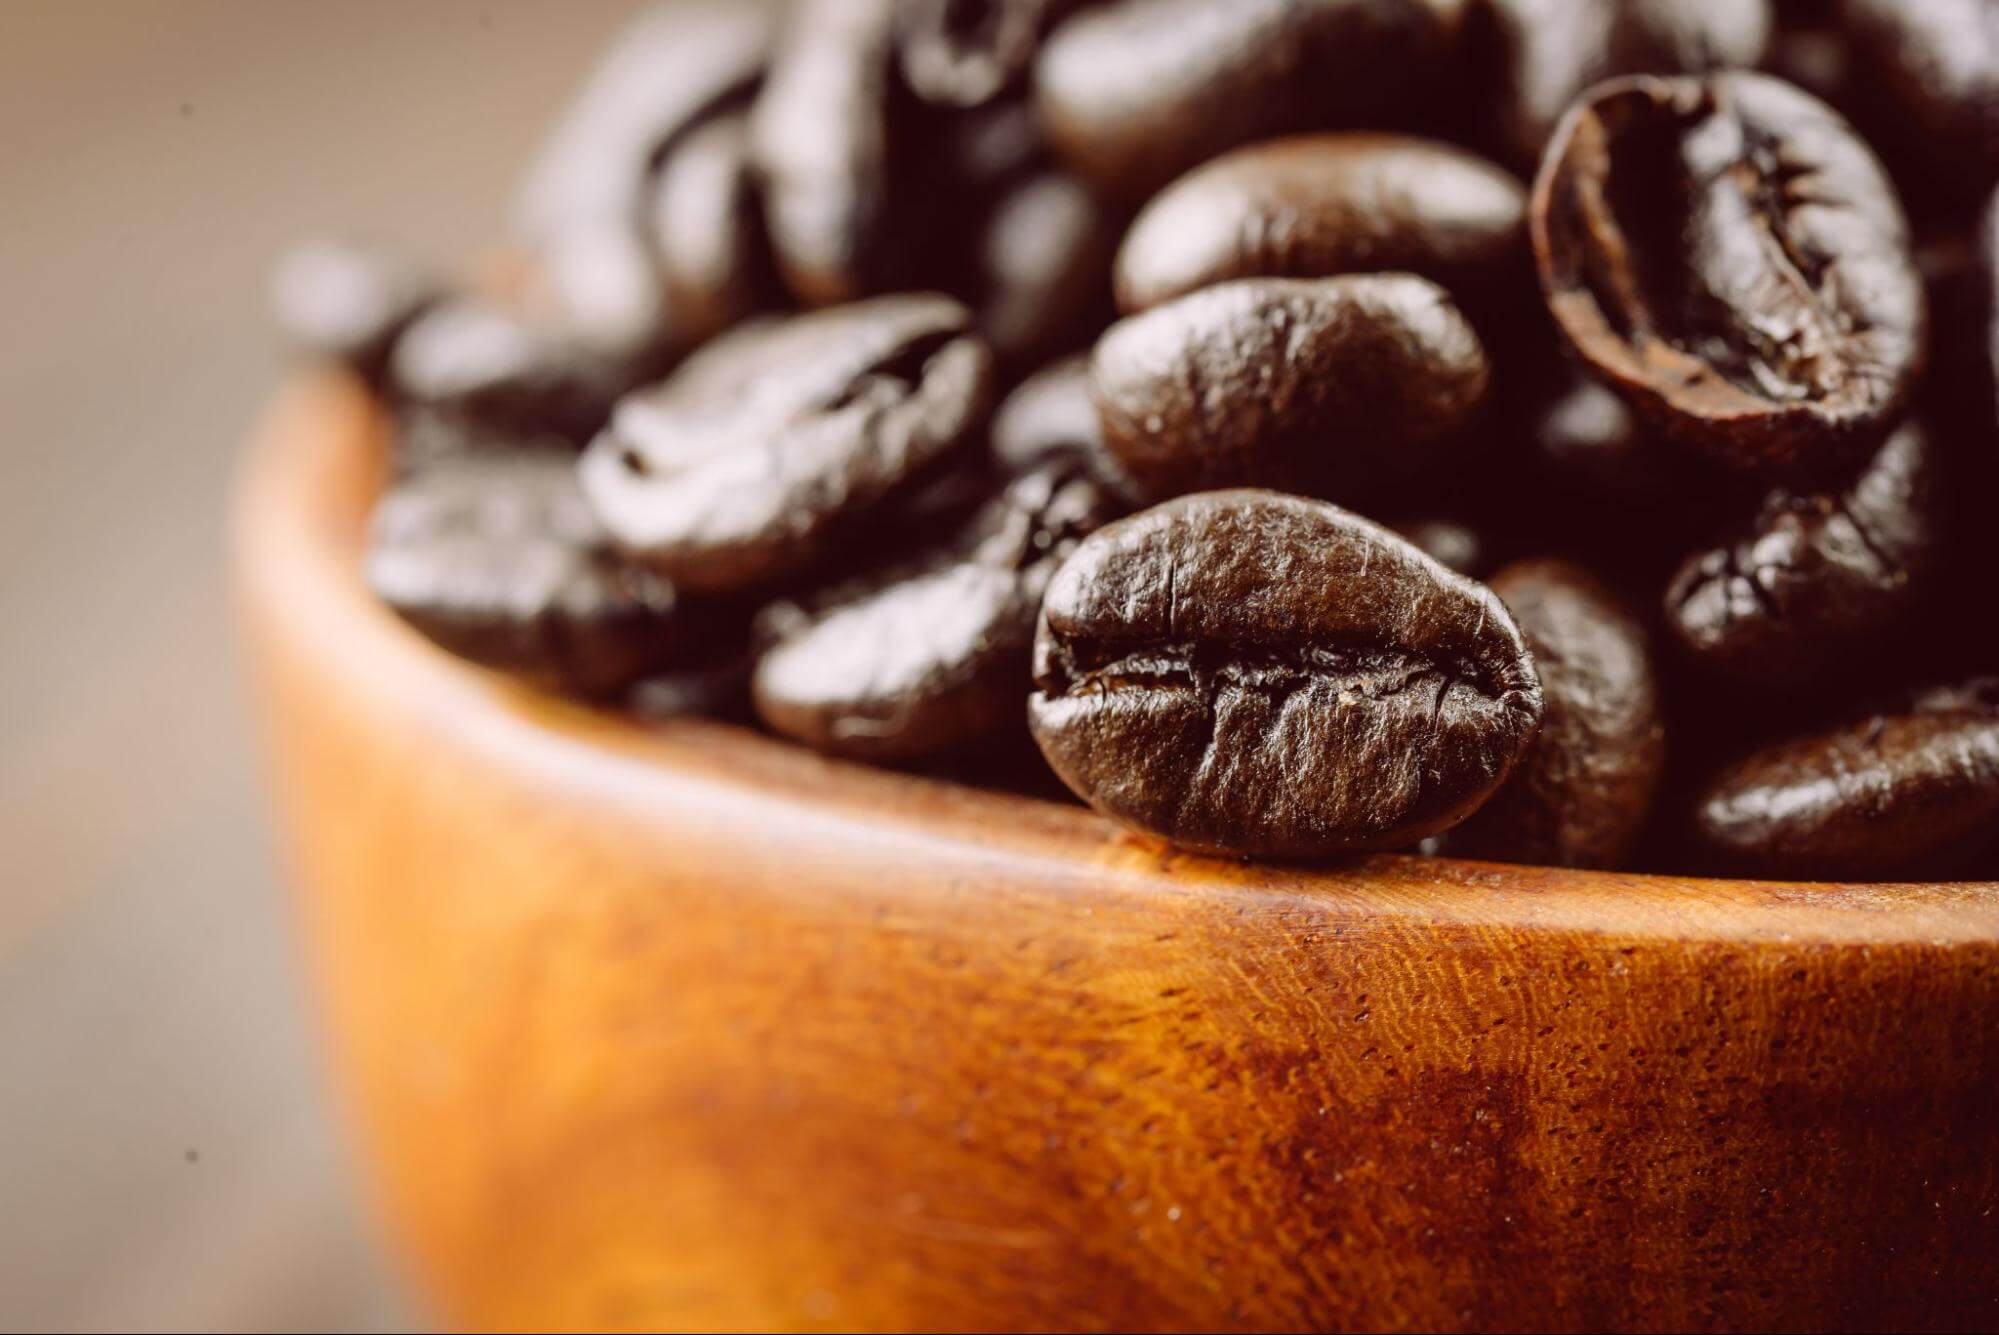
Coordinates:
<point>168,1158</point>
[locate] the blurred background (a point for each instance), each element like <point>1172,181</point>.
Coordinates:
<point>169,1154</point>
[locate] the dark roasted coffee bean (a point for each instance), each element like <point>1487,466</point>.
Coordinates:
<point>1730,257</point>
<point>347,302</point>
<point>965,53</point>
<point>716,685</point>
<point>593,286</point>
<point>1317,205</point>
<point>1248,672</point>
<point>1050,416</point>
<point>706,227</point>
<point>1938,60</point>
<point>1814,576</point>
<point>1910,791</point>
<point>1040,279</point>
<point>1136,92</point>
<point>1535,57</point>
<point>751,461</point>
<point>920,662</point>
<point>836,146</point>
<point>1585,786</point>
<point>1585,432</point>
<point>499,374</point>
<point>1310,385</point>
<point>1447,542</point>
<point>498,559</point>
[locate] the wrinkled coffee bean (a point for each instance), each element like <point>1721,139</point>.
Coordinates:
<point>1446,542</point>
<point>1585,786</point>
<point>1938,60</point>
<point>1814,576</point>
<point>1910,791</point>
<point>497,559</point>
<point>1304,384</point>
<point>706,226</point>
<point>922,662</point>
<point>1248,672</point>
<point>347,302</point>
<point>1317,205</point>
<point>1135,92</point>
<point>1730,257</point>
<point>965,53</point>
<point>497,372</point>
<point>746,464</point>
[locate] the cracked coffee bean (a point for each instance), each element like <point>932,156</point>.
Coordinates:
<point>1727,254</point>
<point>497,559</point>
<point>1310,385</point>
<point>1585,786</point>
<point>1317,205</point>
<point>1248,672</point>
<point>1912,790</point>
<point>1814,575</point>
<point>767,447</point>
<point>1135,92</point>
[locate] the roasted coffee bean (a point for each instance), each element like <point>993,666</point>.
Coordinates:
<point>715,684</point>
<point>1249,672</point>
<point>1585,786</point>
<point>1814,576</point>
<point>748,463</point>
<point>497,373</point>
<point>1911,791</point>
<point>837,146</point>
<point>1534,57</point>
<point>1447,542</point>
<point>706,226</point>
<point>1310,385</point>
<point>1938,60</point>
<point>1050,416</point>
<point>671,67</point>
<point>922,661</point>
<point>347,302</point>
<point>1317,205</point>
<point>1135,92</point>
<point>1040,276</point>
<point>1731,258</point>
<point>1585,432</point>
<point>594,287</point>
<point>498,559</point>
<point>965,53</point>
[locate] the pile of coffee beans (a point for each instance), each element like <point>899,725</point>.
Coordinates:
<point>1553,431</point>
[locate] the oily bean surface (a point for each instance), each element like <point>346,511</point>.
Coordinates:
<point>770,444</point>
<point>1311,206</point>
<point>498,559</point>
<point>1250,672</point>
<point>1585,786</point>
<point>1730,256</point>
<point>1309,385</point>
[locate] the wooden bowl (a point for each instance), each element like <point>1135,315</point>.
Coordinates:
<point>681,1026</point>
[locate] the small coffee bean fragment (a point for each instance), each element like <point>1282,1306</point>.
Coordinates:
<point>1310,385</point>
<point>1249,672</point>
<point>1911,791</point>
<point>1730,257</point>
<point>347,302</point>
<point>773,442</point>
<point>1135,92</point>
<point>1316,205</point>
<point>1585,787</point>
<point>497,559</point>
<point>1814,576</point>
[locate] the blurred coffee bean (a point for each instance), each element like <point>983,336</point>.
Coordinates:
<point>965,53</point>
<point>1050,416</point>
<point>1314,385</point>
<point>1910,791</point>
<point>750,461</point>
<point>1135,92</point>
<point>496,373</point>
<point>706,226</point>
<point>1317,205</point>
<point>1730,257</point>
<point>1040,276</point>
<point>497,559</point>
<point>1585,786</point>
<point>594,286</point>
<point>1447,542</point>
<point>347,302</point>
<point>1248,672</point>
<point>1938,62</point>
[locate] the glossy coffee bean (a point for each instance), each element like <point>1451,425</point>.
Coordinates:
<point>1317,205</point>
<point>1050,416</point>
<point>500,374</point>
<point>966,53</point>
<point>669,69</point>
<point>1249,672</point>
<point>1730,256</point>
<point>706,226</point>
<point>1311,385</point>
<point>1135,92</point>
<point>347,302</point>
<point>1447,542</point>
<point>922,662</point>
<point>497,558</point>
<point>1911,791</point>
<point>1040,273</point>
<point>1938,63</point>
<point>1814,577</point>
<point>1585,787</point>
<point>770,444</point>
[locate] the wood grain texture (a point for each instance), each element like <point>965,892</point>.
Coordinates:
<point>684,1027</point>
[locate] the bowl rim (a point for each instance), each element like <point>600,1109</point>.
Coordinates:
<point>315,461</point>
